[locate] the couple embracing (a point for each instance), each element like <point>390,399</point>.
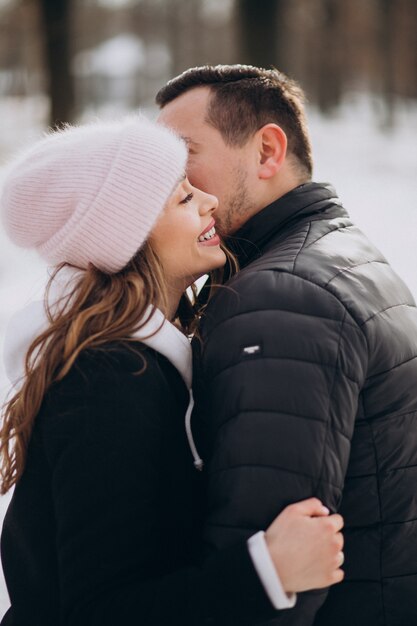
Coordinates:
<point>159,481</point>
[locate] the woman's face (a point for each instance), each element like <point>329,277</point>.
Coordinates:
<point>184,237</point>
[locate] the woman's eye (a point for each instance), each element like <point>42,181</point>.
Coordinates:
<point>187,199</point>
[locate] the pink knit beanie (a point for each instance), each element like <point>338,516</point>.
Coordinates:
<point>91,194</point>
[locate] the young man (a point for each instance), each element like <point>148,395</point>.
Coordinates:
<point>307,377</point>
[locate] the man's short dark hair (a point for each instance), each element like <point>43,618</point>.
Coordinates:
<point>245,98</point>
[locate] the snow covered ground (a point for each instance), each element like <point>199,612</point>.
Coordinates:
<point>374,172</point>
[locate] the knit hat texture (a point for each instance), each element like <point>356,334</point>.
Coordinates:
<point>92,193</point>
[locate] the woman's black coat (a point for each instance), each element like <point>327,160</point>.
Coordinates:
<point>103,527</point>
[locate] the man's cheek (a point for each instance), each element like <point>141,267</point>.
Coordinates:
<point>192,172</point>
<point>196,173</point>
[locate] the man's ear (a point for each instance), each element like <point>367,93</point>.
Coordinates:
<point>272,149</point>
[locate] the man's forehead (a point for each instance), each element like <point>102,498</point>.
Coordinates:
<point>192,103</point>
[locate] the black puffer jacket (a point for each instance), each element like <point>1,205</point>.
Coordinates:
<point>307,386</point>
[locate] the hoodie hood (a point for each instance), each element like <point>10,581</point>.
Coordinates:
<point>158,333</point>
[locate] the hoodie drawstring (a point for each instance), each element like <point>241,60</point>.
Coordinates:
<point>198,461</point>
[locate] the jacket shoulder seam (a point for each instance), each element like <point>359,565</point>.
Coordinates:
<point>284,358</point>
<point>324,288</point>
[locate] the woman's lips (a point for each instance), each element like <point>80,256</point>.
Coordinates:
<point>214,240</point>
<point>209,227</point>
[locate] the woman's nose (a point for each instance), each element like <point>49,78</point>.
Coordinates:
<point>209,203</point>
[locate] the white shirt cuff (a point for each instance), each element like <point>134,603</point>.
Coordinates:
<point>267,573</point>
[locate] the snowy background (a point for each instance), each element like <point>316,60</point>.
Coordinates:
<point>374,172</point>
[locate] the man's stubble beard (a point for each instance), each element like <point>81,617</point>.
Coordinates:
<point>238,206</point>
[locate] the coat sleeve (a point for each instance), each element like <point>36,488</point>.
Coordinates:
<point>281,371</point>
<point>103,451</point>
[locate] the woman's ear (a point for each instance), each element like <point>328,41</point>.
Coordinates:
<point>272,149</point>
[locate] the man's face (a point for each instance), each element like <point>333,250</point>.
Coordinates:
<point>213,166</point>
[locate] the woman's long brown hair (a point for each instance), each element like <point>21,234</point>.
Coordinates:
<point>101,308</point>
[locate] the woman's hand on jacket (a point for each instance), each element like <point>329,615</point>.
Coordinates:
<point>306,546</point>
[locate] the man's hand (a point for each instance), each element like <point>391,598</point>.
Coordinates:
<point>306,545</point>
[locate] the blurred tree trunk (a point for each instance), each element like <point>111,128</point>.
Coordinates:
<point>330,66</point>
<point>262,32</point>
<point>412,67</point>
<point>55,16</point>
<point>386,51</point>
<point>174,23</point>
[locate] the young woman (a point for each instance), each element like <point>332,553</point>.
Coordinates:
<point>103,526</point>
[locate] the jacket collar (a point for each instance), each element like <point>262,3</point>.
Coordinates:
<point>310,200</point>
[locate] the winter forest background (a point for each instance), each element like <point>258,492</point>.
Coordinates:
<point>71,60</point>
